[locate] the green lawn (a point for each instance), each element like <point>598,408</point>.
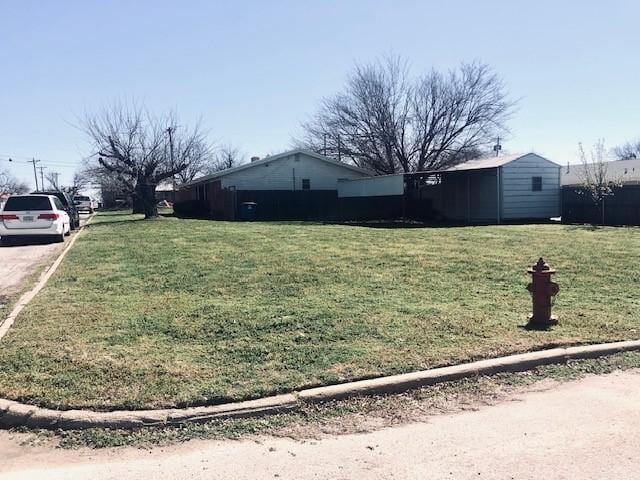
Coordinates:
<point>179,312</point>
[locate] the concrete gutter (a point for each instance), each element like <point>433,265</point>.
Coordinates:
<point>13,414</point>
<point>6,324</point>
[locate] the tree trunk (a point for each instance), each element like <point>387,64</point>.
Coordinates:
<point>147,195</point>
<point>136,203</point>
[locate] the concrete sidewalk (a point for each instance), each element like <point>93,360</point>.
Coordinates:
<point>588,429</point>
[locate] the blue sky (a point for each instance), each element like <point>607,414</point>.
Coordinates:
<point>253,70</point>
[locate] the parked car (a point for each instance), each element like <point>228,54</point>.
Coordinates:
<point>67,203</point>
<point>84,203</point>
<point>34,215</point>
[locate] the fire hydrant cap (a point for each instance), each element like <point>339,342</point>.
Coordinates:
<point>541,267</point>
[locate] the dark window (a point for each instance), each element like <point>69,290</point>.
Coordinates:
<point>58,203</point>
<point>18,204</point>
<point>306,184</point>
<point>536,184</point>
<point>82,199</point>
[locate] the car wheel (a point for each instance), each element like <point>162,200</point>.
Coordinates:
<point>60,238</point>
<point>68,230</point>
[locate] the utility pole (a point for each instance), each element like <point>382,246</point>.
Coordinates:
<point>497,147</point>
<point>324,149</point>
<point>173,177</point>
<point>55,175</point>
<point>35,174</point>
<point>339,148</point>
<point>42,176</point>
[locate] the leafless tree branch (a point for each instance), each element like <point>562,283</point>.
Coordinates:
<point>388,122</point>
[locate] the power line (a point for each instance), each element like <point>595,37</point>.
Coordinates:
<point>20,159</point>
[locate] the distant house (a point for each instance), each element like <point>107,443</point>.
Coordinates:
<point>621,208</point>
<point>493,189</point>
<point>623,171</point>
<point>298,184</point>
<point>165,191</point>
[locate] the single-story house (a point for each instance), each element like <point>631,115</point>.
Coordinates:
<point>620,208</point>
<point>485,190</point>
<point>621,171</point>
<point>298,184</point>
<point>166,192</point>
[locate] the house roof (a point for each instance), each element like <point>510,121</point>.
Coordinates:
<point>489,162</point>
<point>273,158</point>
<point>625,171</point>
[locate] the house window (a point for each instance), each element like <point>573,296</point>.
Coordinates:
<point>306,184</point>
<point>536,184</point>
<point>202,192</point>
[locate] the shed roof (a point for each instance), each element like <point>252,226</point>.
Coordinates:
<point>487,162</point>
<point>274,158</point>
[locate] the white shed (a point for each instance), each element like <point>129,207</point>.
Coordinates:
<point>493,189</point>
<point>502,188</point>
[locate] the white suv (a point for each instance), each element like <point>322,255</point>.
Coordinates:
<point>34,216</point>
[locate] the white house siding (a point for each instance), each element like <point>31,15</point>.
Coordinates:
<point>287,174</point>
<point>519,201</point>
<point>386,185</point>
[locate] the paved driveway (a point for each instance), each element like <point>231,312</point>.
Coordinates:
<point>19,261</point>
<point>587,429</point>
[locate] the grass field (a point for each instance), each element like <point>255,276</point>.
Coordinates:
<point>179,312</point>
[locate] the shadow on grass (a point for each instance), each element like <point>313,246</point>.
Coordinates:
<point>595,227</point>
<point>537,328</point>
<point>114,213</point>
<point>406,224</point>
<point>114,222</point>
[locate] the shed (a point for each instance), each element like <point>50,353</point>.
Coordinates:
<point>492,189</point>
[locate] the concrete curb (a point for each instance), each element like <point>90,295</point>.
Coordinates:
<point>13,414</point>
<point>6,324</point>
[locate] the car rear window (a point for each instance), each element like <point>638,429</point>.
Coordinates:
<point>82,199</point>
<point>17,204</point>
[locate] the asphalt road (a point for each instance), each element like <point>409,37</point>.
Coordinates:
<point>587,429</point>
<point>17,262</point>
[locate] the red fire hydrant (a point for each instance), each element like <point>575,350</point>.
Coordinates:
<point>543,291</point>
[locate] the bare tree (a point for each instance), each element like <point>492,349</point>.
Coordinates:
<point>595,180</point>
<point>227,156</point>
<point>52,178</point>
<point>388,122</point>
<point>196,156</point>
<point>80,181</point>
<point>627,151</point>
<point>139,150</point>
<point>10,184</point>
